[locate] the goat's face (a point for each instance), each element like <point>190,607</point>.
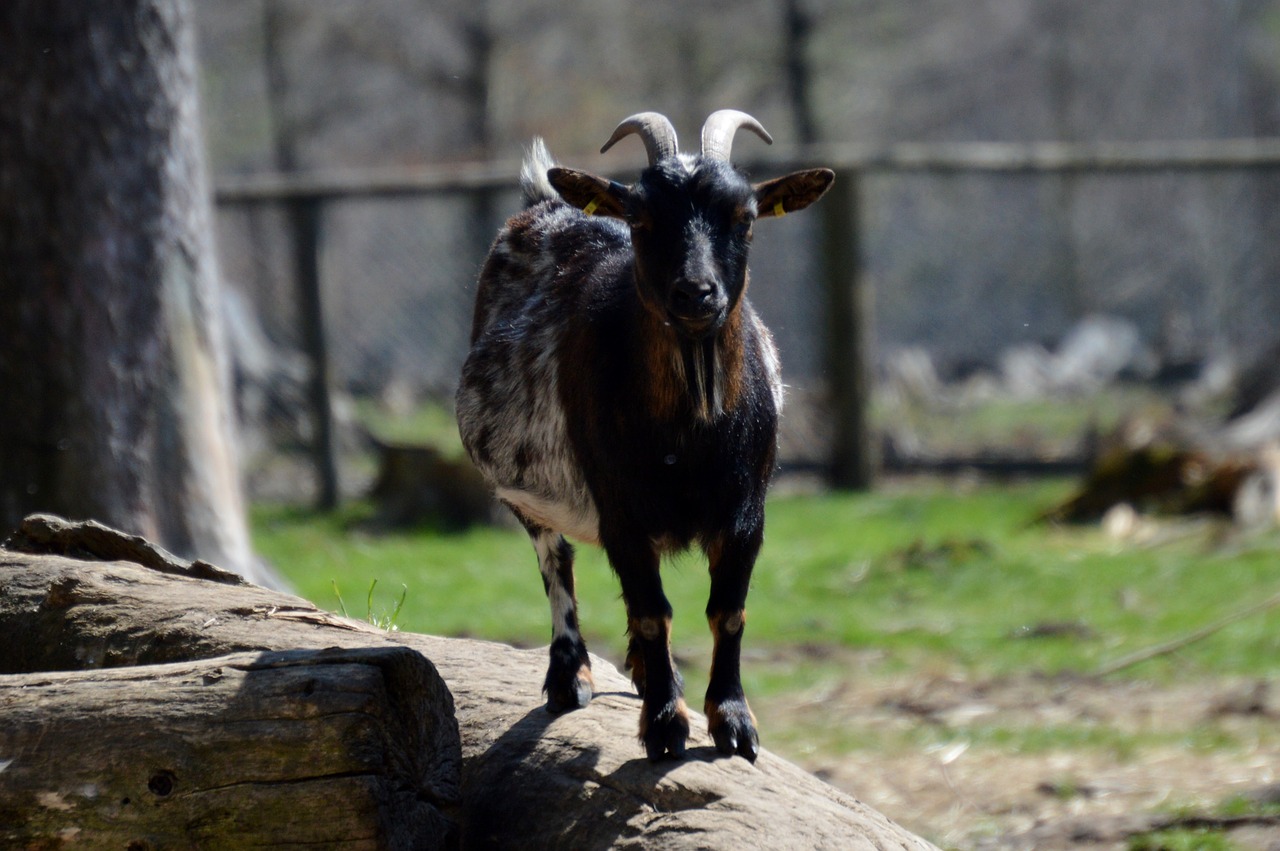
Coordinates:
<point>691,219</point>
<point>690,231</point>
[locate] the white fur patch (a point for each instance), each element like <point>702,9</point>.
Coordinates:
<point>772,364</point>
<point>773,369</point>
<point>577,520</point>
<point>558,597</point>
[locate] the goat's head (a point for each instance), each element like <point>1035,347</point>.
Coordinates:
<point>690,216</point>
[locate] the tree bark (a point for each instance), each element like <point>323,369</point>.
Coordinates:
<point>529,779</point>
<point>241,751</point>
<point>116,383</point>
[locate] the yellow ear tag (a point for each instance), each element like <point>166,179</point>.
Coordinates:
<point>591,208</point>
<point>778,210</point>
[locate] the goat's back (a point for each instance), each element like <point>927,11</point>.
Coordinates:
<point>547,263</point>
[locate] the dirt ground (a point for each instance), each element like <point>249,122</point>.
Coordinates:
<point>1161,755</point>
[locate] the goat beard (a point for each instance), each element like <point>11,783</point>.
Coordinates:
<point>699,360</point>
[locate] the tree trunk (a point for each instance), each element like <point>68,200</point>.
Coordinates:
<point>241,751</point>
<point>529,779</point>
<point>115,380</point>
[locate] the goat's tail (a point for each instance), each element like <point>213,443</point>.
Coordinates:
<point>533,174</point>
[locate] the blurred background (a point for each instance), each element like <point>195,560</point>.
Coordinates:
<point>1052,250</point>
<point>1013,314</point>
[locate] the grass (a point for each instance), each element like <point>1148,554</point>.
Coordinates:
<point>1205,837</point>
<point>382,619</point>
<point>1201,839</point>
<point>918,577</point>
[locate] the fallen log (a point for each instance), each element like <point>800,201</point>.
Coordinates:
<point>1163,478</point>
<point>251,750</point>
<point>528,779</point>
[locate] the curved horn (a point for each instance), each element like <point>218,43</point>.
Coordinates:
<point>656,131</point>
<point>717,132</point>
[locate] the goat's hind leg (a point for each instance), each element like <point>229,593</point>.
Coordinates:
<point>568,684</point>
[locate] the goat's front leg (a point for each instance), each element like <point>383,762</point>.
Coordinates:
<point>664,719</point>
<point>731,722</point>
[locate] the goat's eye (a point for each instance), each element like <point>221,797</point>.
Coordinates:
<point>638,220</point>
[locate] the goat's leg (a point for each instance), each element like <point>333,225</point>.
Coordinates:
<point>729,718</point>
<point>635,659</point>
<point>664,718</point>
<point>568,684</point>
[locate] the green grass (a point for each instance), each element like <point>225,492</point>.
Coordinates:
<point>1182,840</point>
<point>1205,838</point>
<point>919,577</point>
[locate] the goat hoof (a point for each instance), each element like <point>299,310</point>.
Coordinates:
<point>733,728</point>
<point>659,743</point>
<point>667,734</point>
<point>568,696</point>
<point>745,743</point>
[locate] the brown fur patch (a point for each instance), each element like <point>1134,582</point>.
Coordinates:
<point>724,624</point>
<point>734,621</point>
<point>635,664</point>
<point>665,384</point>
<point>649,628</point>
<point>730,354</point>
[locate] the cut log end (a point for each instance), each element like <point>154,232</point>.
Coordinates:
<point>256,746</point>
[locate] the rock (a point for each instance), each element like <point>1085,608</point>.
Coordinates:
<point>1096,351</point>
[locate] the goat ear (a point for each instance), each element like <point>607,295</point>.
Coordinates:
<point>792,192</point>
<point>589,193</point>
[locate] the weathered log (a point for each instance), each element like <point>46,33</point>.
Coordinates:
<point>529,779</point>
<point>335,747</point>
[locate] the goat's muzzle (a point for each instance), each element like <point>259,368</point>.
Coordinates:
<point>697,307</point>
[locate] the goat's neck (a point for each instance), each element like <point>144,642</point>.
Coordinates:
<point>702,377</point>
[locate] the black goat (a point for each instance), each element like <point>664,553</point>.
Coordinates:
<point>621,390</point>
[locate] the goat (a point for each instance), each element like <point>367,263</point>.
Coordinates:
<point>621,390</point>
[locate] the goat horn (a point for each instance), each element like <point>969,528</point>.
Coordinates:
<point>717,132</point>
<point>656,131</point>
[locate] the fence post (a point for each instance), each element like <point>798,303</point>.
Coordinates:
<point>847,347</point>
<point>304,221</point>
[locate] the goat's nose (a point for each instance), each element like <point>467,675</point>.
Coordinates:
<point>693,297</point>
